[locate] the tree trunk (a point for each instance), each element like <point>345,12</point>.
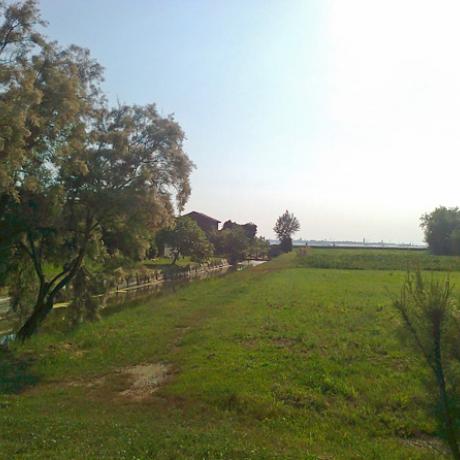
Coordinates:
<point>41,309</point>
<point>447,414</point>
<point>48,290</point>
<point>448,421</point>
<point>45,301</point>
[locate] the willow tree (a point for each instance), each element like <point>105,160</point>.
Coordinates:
<point>119,187</point>
<point>91,181</point>
<point>20,44</point>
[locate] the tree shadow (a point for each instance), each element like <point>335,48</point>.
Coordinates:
<point>15,373</point>
<point>438,440</point>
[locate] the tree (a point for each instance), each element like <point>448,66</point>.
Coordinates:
<point>429,315</point>
<point>259,247</point>
<point>187,239</point>
<point>20,92</point>
<point>87,182</point>
<point>106,197</point>
<point>231,243</point>
<point>455,241</point>
<point>250,229</point>
<point>442,230</point>
<point>286,225</point>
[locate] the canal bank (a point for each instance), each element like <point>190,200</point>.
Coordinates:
<point>133,285</point>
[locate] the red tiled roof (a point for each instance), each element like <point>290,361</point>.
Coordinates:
<point>202,215</point>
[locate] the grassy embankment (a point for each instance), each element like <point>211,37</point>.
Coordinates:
<point>281,361</point>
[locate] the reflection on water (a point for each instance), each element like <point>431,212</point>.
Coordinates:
<point>251,263</point>
<point>120,297</point>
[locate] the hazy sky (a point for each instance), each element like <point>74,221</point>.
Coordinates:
<point>347,113</point>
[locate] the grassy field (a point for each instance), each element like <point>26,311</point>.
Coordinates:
<point>378,259</point>
<point>283,361</point>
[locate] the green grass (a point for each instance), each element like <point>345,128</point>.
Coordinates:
<point>377,259</point>
<point>278,362</point>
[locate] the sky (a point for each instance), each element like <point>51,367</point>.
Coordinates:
<point>346,113</point>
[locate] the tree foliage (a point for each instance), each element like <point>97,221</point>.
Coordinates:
<point>187,239</point>
<point>232,243</point>
<point>286,225</point>
<point>249,229</point>
<point>442,230</point>
<point>259,247</point>
<point>238,242</point>
<point>77,180</point>
<point>22,80</point>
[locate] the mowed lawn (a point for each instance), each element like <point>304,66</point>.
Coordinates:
<point>282,361</point>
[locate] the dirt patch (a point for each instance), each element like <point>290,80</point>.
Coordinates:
<point>97,382</point>
<point>251,343</point>
<point>284,342</point>
<point>182,331</point>
<point>430,443</point>
<point>145,379</point>
<point>134,382</point>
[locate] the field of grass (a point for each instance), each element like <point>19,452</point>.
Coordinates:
<point>282,361</point>
<point>377,259</point>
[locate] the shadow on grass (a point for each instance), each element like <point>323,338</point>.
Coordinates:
<point>15,373</point>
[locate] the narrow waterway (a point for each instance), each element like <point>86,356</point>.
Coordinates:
<point>115,300</point>
<point>121,296</point>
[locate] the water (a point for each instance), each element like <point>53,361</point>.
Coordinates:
<point>162,287</point>
<point>115,300</point>
<point>250,263</point>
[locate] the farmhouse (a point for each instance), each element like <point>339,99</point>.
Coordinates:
<point>206,223</point>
